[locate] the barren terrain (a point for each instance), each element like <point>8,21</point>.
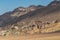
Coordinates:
<point>53,36</point>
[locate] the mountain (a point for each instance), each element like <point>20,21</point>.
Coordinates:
<point>54,3</point>
<point>34,19</point>
<point>7,17</point>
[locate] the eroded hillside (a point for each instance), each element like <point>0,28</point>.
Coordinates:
<point>32,20</point>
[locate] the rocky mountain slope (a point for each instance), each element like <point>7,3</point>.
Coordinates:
<point>7,17</point>
<point>34,19</point>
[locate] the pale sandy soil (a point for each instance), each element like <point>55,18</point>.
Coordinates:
<point>54,36</point>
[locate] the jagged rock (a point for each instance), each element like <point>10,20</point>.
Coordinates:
<point>14,27</point>
<point>3,33</point>
<point>32,8</point>
<point>20,9</point>
<point>55,21</point>
<point>55,3</point>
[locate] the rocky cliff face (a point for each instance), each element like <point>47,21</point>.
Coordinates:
<point>34,19</point>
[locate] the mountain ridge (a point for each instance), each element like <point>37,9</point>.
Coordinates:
<point>34,19</point>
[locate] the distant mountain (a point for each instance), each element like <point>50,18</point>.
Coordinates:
<point>40,16</point>
<point>54,3</point>
<point>6,18</point>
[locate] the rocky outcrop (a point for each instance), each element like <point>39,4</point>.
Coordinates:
<point>32,20</point>
<point>55,3</point>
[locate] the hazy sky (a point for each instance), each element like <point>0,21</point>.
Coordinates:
<point>9,5</point>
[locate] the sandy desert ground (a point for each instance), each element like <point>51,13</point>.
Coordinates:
<point>54,36</point>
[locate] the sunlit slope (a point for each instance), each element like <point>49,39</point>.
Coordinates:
<point>52,28</point>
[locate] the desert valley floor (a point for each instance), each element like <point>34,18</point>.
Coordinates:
<point>53,36</point>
